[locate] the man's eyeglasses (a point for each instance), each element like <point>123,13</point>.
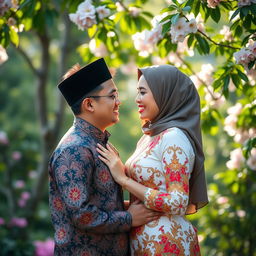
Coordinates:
<point>113,96</point>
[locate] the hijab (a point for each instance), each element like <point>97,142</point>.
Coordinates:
<point>179,106</point>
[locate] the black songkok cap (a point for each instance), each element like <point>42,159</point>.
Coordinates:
<point>83,81</point>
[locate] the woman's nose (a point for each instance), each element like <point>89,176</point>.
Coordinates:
<point>137,99</point>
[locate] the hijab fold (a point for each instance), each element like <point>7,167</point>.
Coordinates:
<point>179,106</point>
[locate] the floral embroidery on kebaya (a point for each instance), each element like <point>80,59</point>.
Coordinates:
<point>163,164</point>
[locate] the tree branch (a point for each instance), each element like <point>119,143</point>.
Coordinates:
<point>63,64</point>
<point>222,45</point>
<point>203,83</point>
<point>28,60</point>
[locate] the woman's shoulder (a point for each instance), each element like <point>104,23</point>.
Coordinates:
<point>175,136</point>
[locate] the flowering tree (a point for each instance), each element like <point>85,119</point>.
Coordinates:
<point>181,34</point>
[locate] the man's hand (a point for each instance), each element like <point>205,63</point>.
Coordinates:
<point>142,215</point>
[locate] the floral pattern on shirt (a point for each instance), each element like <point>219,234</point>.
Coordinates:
<point>86,204</point>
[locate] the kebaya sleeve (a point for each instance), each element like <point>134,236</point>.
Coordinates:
<point>173,153</point>
<point>74,178</point>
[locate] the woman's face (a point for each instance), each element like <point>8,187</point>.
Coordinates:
<point>148,108</point>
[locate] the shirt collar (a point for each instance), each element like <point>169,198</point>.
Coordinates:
<point>92,130</point>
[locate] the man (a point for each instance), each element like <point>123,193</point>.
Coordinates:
<point>86,204</point>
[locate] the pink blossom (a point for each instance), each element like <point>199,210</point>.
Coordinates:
<point>85,16</point>
<point>240,213</point>
<point>16,155</point>
<point>5,5</point>
<point>213,3</point>
<point>19,184</point>
<point>129,68</point>
<point>222,200</point>
<point>44,248</point>
<point>2,222</point>
<point>144,42</point>
<point>99,50</point>
<point>134,11</point>
<point>22,203</point>
<point>3,136</point>
<point>25,195</point>
<point>236,159</point>
<point>103,12</point>
<point>19,222</point>
<point>225,31</point>
<point>251,162</point>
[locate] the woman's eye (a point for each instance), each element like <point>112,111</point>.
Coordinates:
<point>142,93</point>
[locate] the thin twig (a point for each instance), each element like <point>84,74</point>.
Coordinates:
<point>28,60</point>
<point>222,45</point>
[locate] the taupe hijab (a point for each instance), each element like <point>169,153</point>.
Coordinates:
<point>179,106</point>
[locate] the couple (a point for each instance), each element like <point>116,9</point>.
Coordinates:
<point>165,175</point>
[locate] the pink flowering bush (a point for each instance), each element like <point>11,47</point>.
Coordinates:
<point>44,248</point>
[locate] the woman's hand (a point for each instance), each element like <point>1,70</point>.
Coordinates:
<point>114,163</point>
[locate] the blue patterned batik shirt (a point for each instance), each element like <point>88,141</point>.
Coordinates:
<point>86,204</point>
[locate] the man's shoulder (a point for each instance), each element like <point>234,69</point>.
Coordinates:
<point>72,142</point>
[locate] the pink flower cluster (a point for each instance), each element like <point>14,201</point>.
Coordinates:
<point>23,199</point>
<point>44,248</point>
<point>240,135</point>
<point>182,28</point>
<point>246,55</point>
<point>85,16</point>
<point>18,222</point>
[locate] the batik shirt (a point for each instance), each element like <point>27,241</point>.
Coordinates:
<point>86,204</point>
<point>163,163</point>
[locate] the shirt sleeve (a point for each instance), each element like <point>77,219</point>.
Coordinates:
<point>173,153</point>
<point>73,171</point>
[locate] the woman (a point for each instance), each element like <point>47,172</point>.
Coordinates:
<point>166,171</point>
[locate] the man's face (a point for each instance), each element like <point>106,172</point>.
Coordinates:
<point>107,108</point>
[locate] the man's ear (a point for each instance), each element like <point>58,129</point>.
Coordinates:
<point>87,105</point>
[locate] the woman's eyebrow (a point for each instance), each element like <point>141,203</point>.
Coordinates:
<point>141,88</point>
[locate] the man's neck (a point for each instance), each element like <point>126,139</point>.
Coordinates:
<point>91,121</point>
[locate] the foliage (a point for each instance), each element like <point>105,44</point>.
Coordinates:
<point>219,34</point>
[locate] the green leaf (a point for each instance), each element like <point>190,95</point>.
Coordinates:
<point>14,36</point>
<point>235,14</point>
<point>203,44</point>
<point>197,8</point>
<point>215,14</point>
<point>186,9</point>
<point>253,9</point>
<point>238,31</point>
<point>245,10</point>
<point>225,86</point>
<point>217,83</point>
<point>175,18</point>
<point>251,64</point>
<point>148,14</point>
<point>166,27</point>
<point>191,40</point>
<point>247,22</point>
<point>236,80</point>
<point>92,31</point>
<point>242,75</point>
